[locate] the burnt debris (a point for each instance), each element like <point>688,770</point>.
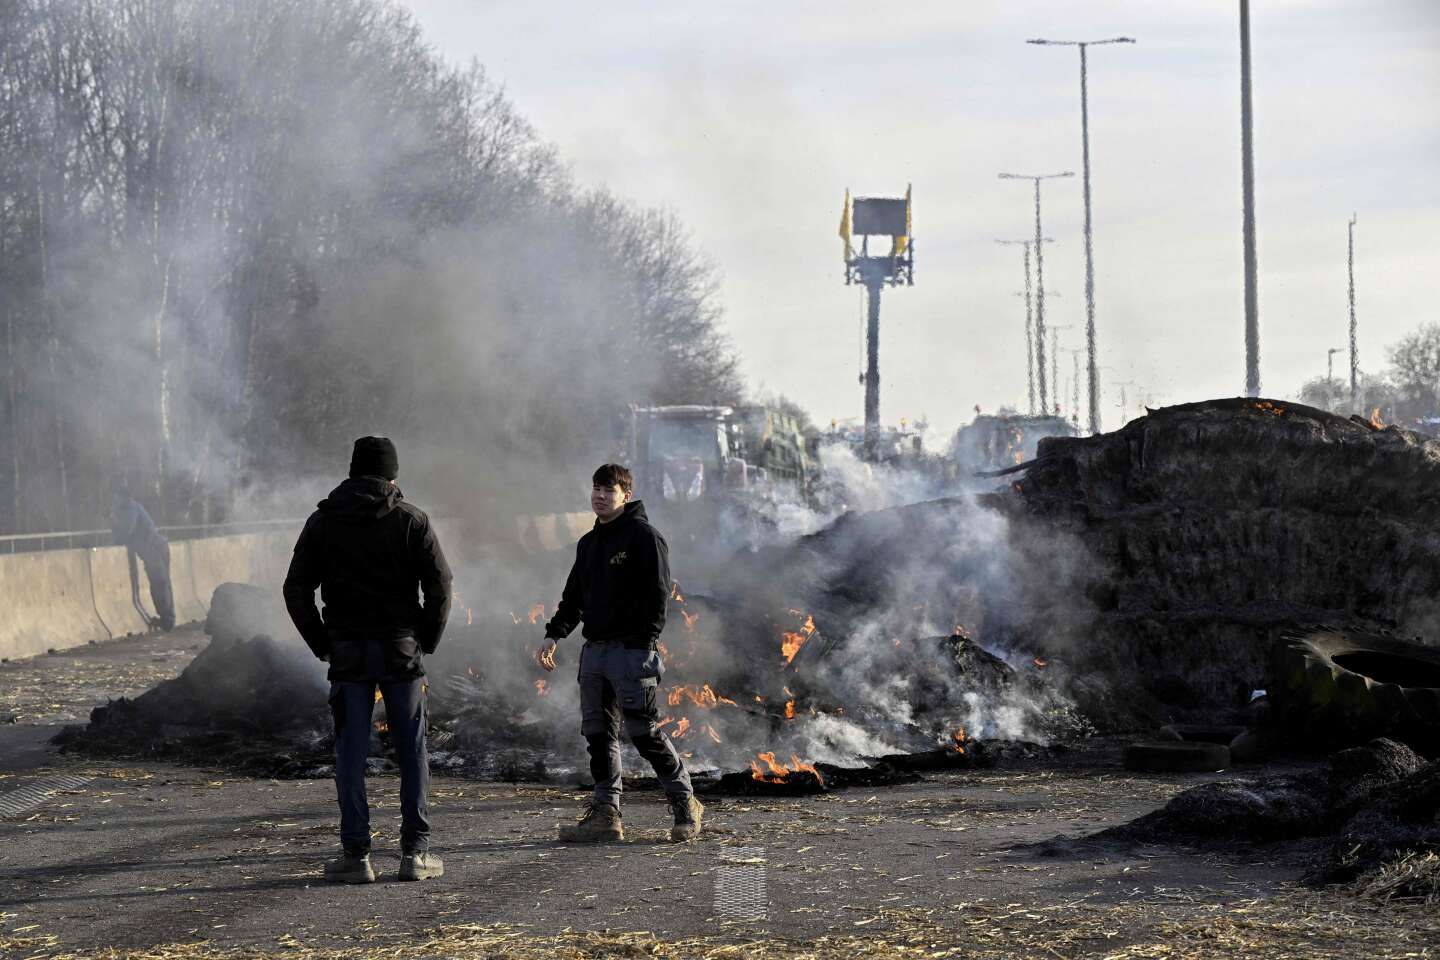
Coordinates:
<point>1147,576</point>
<point>259,706</point>
<point>1369,807</point>
<point>241,704</point>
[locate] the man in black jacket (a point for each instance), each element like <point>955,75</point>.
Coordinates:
<point>371,554</point>
<point>619,587</point>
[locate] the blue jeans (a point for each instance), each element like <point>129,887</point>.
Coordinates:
<point>157,571</point>
<point>621,683</point>
<point>352,704</point>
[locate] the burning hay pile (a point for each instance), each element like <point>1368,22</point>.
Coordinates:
<point>767,707</point>
<point>1125,579</point>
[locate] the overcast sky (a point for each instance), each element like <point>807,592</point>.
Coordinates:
<point>749,120</point>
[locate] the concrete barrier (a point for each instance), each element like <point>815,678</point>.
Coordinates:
<point>270,557</point>
<point>59,599</point>
<point>189,605</point>
<point>48,603</point>
<point>110,581</point>
<point>210,561</point>
<point>215,560</point>
<point>573,526</point>
<point>544,532</point>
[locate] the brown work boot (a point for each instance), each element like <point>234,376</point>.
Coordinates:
<point>688,814</point>
<point>420,866</point>
<point>350,868</point>
<point>600,823</point>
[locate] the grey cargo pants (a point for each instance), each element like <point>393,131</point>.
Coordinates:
<point>621,683</point>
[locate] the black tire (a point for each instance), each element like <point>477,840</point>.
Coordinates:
<point>1176,756</point>
<point>1349,686</point>
<point>1201,732</point>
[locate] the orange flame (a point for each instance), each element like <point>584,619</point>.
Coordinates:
<point>537,612</point>
<point>682,728</point>
<point>380,725</point>
<point>775,772</point>
<point>792,641</point>
<point>701,696</point>
<point>1375,420</point>
<point>712,734</point>
<point>540,687</point>
<point>1040,663</point>
<point>789,709</point>
<point>690,618</point>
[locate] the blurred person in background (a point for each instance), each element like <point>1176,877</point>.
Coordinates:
<point>132,528</point>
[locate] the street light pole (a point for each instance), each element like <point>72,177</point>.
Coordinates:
<point>1124,403</point>
<point>1354,352</point>
<point>1039,279</point>
<point>1089,251</point>
<point>1055,364</point>
<point>1247,171</point>
<point>1029,320</point>
<point>1075,389</point>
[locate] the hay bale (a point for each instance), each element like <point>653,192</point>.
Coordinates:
<point>239,611</point>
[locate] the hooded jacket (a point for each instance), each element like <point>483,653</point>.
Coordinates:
<point>372,555</point>
<point>131,526</point>
<point>620,583</point>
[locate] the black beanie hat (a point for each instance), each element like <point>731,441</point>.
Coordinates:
<point>375,457</point>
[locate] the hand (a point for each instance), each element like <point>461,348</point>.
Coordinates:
<point>545,656</point>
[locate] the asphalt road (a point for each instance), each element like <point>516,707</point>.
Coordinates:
<point>153,854</point>
<point>101,855</point>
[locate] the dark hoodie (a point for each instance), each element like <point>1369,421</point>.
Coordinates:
<point>620,583</point>
<point>371,554</point>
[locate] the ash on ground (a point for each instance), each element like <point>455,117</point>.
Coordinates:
<point>1366,812</point>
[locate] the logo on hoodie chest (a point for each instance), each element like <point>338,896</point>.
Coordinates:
<point>617,558</point>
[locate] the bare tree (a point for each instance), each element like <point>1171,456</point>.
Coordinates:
<point>203,205</point>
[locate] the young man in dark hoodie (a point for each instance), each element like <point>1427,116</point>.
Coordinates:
<point>372,555</point>
<point>619,587</point>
